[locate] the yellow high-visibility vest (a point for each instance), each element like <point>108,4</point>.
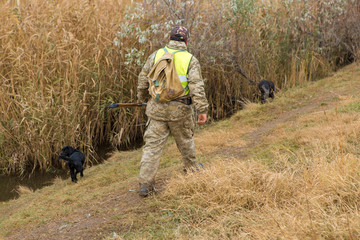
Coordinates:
<point>182,60</point>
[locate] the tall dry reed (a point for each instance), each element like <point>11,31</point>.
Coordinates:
<point>59,69</point>
<point>63,61</point>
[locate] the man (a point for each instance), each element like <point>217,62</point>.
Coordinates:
<point>175,117</point>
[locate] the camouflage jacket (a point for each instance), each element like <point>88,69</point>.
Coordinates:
<point>173,111</point>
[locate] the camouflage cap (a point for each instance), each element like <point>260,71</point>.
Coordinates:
<point>180,32</point>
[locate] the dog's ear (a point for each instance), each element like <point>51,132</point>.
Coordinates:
<point>68,149</point>
<point>71,150</point>
<point>64,152</point>
<point>64,149</point>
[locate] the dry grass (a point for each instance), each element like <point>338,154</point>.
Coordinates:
<point>235,199</point>
<point>22,190</point>
<point>310,189</point>
<point>214,139</point>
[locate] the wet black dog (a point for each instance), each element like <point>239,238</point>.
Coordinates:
<point>267,89</point>
<point>75,160</point>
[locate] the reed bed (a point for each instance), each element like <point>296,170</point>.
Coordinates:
<point>59,70</point>
<point>63,61</point>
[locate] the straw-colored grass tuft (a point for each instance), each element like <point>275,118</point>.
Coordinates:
<point>236,198</point>
<point>22,190</point>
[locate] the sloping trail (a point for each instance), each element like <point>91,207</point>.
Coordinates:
<point>99,225</point>
<point>255,137</point>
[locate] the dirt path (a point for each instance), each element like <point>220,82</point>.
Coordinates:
<point>255,137</point>
<point>84,224</point>
<point>99,225</point>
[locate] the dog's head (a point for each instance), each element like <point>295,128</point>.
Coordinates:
<point>267,85</point>
<point>67,151</point>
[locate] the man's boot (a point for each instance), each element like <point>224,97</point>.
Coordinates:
<point>145,190</point>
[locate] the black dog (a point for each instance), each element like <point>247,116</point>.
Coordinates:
<point>267,89</point>
<point>75,160</point>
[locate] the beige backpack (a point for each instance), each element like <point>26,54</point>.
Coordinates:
<point>164,82</point>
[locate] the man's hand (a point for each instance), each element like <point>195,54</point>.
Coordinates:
<point>202,119</point>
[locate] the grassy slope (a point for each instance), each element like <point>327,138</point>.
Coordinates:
<point>288,169</point>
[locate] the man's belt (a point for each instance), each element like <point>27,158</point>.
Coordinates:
<point>186,101</point>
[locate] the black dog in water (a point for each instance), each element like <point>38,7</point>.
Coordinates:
<point>75,160</point>
<point>267,89</point>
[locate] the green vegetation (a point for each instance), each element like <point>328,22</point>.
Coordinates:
<point>352,107</point>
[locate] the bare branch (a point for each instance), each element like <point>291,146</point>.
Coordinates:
<point>172,10</point>
<point>239,70</point>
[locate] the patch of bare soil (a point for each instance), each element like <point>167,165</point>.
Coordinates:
<point>87,225</point>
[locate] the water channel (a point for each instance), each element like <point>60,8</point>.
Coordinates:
<point>10,184</point>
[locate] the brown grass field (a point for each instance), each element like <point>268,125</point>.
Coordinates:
<point>288,169</point>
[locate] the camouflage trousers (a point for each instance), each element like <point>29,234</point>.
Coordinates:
<point>155,138</point>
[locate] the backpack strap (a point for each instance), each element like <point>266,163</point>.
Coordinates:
<point>174,52</point>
